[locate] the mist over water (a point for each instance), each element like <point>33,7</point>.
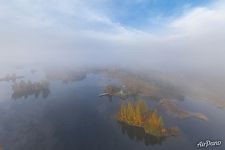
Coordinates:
<point>189,60</point>
<point>45,41</point>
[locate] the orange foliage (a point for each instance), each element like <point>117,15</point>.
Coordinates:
<point>133,114</point>
<point>154,124</point>
<point>138,114</point>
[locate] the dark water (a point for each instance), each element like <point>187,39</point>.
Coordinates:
<point>71,116</point>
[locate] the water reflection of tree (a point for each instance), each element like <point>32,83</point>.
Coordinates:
<point>138,134</point>
<point>24,89</point>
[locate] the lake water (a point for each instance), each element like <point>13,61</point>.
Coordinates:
<point>71,116</point>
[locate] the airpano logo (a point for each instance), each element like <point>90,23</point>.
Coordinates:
<point>209,143</point>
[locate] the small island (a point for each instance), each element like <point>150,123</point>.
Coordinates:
<point>138,114</point>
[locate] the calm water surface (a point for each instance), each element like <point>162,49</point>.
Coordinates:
<point>71,116</point>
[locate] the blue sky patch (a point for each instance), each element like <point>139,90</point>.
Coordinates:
<point>142,13</point>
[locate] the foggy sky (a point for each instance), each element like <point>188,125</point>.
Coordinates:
<point>185,48</point>
<point>79,32</point>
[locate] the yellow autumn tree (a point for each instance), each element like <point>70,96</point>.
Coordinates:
<point>133,113</point>
<point>154,124</point>
<point>122,114</point>
<point>143,107</point>
<point>138,114</point>
<point>130,113</point>
<point>140,111</point>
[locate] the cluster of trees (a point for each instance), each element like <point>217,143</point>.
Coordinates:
<point>138,114</point>
<point>25,89</point>
<point>154,125</point>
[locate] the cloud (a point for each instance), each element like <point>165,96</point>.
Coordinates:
<point>201,20</point>
<point>78,31</point>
